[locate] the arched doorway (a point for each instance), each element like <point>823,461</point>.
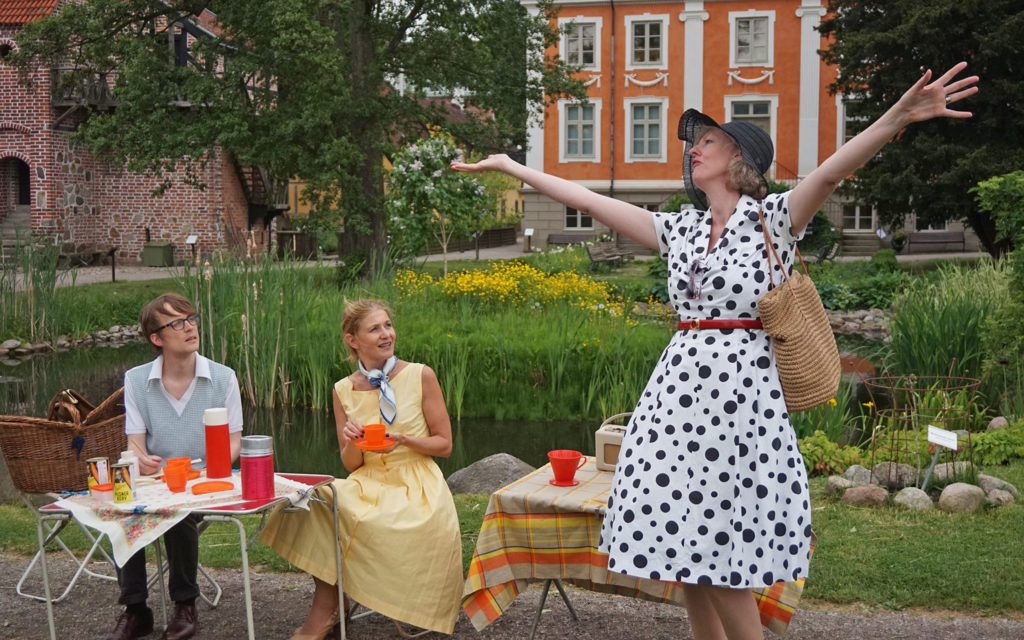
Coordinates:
<point>15,193</point>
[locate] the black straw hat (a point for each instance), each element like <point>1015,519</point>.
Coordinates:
<point>755,145</point>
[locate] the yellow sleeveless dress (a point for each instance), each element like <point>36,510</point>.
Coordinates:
<point>400,544</point>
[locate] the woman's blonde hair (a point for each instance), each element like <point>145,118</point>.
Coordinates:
<point>355,312</point>
<point>742,177</point>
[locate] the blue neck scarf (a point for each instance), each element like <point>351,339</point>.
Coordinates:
<point>379,378</point>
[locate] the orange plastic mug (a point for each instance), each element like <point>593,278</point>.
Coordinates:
<point>176,476</point>
<point>185,461</point>
<point>374,433</point>
<point>564,463</point>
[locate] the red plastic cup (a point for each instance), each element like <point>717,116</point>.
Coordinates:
<point>176,476</point>
<point>218,443</point>
<point>374,433</point>
<point>564,463</point>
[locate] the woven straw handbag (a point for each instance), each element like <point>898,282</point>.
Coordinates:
<point>805,347</point>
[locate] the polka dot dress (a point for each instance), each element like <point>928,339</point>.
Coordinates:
<point>710,487</point>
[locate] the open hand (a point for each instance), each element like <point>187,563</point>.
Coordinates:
<point>495,162</point>
<point>926,100</point>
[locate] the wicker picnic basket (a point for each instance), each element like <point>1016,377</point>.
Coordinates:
<point>45,455</point>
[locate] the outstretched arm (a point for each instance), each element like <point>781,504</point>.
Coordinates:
<point>627,219</point>
<point>923,101</point>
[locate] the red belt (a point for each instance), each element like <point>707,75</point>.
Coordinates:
<point>717,323</point>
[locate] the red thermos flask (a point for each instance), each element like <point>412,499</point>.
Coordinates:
<point>257,467</point>
<point>218,443</point>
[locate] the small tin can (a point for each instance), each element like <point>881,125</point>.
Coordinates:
<point>124,490</point>
<point>99,472</point>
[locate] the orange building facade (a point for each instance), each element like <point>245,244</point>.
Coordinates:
<point>645,62</point>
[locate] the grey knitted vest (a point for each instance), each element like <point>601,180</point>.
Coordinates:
<point>169,435</point>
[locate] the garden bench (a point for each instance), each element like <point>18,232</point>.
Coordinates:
<point>567,239</point>
<point>929,241</point>
<point>604,253</point>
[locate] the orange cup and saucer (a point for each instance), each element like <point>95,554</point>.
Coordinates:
<point>374,438</point>
<point>183,462</point>
<point>176,476</point>
<point>564,464</point>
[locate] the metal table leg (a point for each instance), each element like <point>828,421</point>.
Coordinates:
<point>543,599</point>
<point>244,548</point>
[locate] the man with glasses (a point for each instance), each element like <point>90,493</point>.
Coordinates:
<point>164,402</point>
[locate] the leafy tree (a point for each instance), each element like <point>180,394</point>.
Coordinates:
<point>881,48</point>
<point>426,200</point>
<point>311,88</point>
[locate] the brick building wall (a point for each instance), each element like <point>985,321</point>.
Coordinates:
<point>90,206</point>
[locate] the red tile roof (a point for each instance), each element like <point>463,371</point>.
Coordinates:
<point>22,11</point>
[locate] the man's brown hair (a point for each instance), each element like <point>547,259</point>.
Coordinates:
<point>150,322</point>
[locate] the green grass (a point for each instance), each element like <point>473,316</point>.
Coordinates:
<point>886,558</point>
<point>892,558</point>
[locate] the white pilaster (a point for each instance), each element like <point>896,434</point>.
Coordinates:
<point>693,16</point>
<point>810,13</point>
<point>534,123</point>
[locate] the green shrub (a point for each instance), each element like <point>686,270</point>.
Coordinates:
<point>658,268</point>
<point>1000,446</point>
<point>836,295</point>
<point>823,457</point>
<point>820,233</point>
<point>675,202</point>
<point>884,260</point>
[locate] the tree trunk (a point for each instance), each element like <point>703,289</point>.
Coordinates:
<point>366,82</point>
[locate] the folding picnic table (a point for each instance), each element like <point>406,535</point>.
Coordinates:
<point>131,526</point>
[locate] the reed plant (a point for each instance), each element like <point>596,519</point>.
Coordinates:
<point>508,341</point>
<point>938,327</point>
<point>28,292</point>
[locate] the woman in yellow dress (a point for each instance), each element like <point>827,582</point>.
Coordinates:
<point>399,533</point>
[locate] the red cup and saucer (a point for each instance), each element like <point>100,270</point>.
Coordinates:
<point>374,438</point>
<point>564,464</point>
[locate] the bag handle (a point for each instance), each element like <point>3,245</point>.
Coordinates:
<point>769,246</point>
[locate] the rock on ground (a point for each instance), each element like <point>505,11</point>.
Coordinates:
<point>489,474</point>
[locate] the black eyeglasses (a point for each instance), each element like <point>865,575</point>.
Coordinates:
<point>179,323</point>
<point>696,279</point>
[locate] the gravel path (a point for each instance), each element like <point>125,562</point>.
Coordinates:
<point>281,600</point>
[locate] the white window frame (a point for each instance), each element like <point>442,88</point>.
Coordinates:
<point>842,119</point>
<point>563,24</point>
<point>563,156</point>
<point>627,105</point>
<point>773,115</point>
<point>647,17</point>
<point>579,218</point>
<point>735,16</point>
<point>861,213</point>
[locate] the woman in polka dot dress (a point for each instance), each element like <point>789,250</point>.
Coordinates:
<point>710,489</point>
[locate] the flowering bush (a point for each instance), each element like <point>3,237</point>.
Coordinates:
<point>426,199</point>
<point>512,284</point>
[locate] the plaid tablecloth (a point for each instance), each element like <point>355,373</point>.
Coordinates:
<point>534,531</point>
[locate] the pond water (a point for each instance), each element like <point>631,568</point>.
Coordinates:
<point>305,440</point>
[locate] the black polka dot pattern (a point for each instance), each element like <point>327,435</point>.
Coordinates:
<point>710,486</point>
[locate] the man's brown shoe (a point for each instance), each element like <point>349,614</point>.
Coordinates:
<point>130,626</point>
<point>184,624</point>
